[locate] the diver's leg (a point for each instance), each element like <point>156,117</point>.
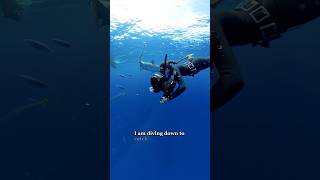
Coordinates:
<point>259,21</point>
<point>190,68</point>
<point>230,80</point>
<point>201,63</point>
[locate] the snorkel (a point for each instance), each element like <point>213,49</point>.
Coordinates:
<point>165,59</point>
<point>157,80</point>
<point>164,65</point>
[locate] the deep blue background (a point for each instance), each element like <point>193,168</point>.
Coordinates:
<point>271,129</point>
<point>66,140</point>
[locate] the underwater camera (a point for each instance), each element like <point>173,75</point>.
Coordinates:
<point>157,81</point>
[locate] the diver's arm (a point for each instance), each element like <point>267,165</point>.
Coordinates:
<point>230,80</point>
<point>243,26</point>
<point>171,93</point>
<point>240,27</point>
<point>181,88</point>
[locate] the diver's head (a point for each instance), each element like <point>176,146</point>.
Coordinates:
<point>157,80</point>
<point>162,68</point>
<point>166,69</point>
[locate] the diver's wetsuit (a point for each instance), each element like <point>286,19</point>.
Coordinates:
<point>189,68</point>
<point>256,22</point>
<point>259,21</point>
<point>230,81</point>
<point>192,67</point>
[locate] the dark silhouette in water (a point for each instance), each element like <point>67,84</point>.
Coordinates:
<point>171,73</point>
<point>38,45</point>
<point>254,21</point>
<point>11,9</point>
<point>61,42</point>
<point>34,81</point>
<point>214,3</point>
<point>17,111</point>
<point>100,10</point>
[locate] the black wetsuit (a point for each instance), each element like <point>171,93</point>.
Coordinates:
<point>189,68</point>
<point>256,22</point>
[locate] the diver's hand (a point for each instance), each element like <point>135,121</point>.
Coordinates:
<point>164,100</point>
<point>151,89</point>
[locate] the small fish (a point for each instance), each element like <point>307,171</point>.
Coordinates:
<point>38,45</point>
<point>122,75</point>
<point>120,56</point>
<point>129,75</point>
<point>33,81</point>
<point>87,104</point>
<point>19,110</point>
<point>115,63</point>
<point>120,87</point>
<point>61,42</point>
<point>118,96</point>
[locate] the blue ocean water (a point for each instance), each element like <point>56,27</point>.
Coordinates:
<point>182,157</point>
<point>270,130</point>
<point>66,139</point>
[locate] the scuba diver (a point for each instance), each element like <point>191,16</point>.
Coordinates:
<point>255,22</point>
<point>171,73</point>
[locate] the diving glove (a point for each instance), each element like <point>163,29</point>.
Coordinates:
<point>164,100</point>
